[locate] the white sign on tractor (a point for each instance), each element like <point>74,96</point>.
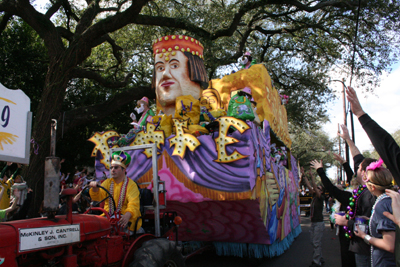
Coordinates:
<point>15,125</point>
<point>43,237</point>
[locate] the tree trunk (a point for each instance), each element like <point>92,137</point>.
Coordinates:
<point>49,108</point>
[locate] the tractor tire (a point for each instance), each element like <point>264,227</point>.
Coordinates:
<point>158,252</point>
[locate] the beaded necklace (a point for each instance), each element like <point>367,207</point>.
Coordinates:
<point>351,213</point>
<point>121,199</point>
<point>383,196</point>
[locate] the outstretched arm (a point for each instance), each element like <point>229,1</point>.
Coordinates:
<point>310,188</point>
<point>346,166</point>
<point>340,195</point>
<point>13,206</point>
<point>346,137</point>
<point>313,165</point>
<point>382,141</point>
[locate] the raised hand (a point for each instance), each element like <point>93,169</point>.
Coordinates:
<point>315,164</point>
<point>345,135</point>
<point>354,102</point>
<point>339,158</point>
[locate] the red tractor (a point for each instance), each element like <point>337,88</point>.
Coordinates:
<point>91,240</point>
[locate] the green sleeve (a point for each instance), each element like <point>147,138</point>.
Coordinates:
<point>17,171</point>
<point>2,215</point>
<point>3,171</point>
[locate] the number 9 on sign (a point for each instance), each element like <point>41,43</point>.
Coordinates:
<point>5,116</point>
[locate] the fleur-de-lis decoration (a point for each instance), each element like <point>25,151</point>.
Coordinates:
<point>181,141</point>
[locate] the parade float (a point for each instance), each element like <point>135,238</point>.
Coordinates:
<point>223,156</point>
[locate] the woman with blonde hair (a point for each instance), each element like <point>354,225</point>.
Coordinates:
<point>381,235</point>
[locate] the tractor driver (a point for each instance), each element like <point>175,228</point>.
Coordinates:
<point>124,191</point>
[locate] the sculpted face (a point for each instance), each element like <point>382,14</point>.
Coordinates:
<point>172,80</point>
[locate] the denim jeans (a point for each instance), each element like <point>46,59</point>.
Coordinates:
<point>363,260</point>
<point>316,231</point>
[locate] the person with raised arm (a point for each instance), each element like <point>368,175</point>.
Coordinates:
<point>317,219</point>
<point>5,212</point>
<point>382,141</point>
<point>362,207</point>
<point>7,183</point>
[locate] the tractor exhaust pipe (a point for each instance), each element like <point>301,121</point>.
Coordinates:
<point>52,177</point>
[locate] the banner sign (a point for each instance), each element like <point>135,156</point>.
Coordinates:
<point>15,125</point>
<point>44,237</point>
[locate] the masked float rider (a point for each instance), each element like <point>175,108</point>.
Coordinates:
<point>123,189</point>
<point>144,109</point>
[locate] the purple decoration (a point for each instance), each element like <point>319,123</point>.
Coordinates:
<point>351,214</point>
<point>364,185</point>
<point>348,207</point>
<point>355,191</point>
<point>123,156</point>
<point>183,106</point>
<point>345,228</point>
<point>199,166</point>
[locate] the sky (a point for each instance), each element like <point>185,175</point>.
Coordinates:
<point>382,105</point>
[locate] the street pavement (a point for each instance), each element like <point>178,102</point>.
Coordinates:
<point>298,255</point>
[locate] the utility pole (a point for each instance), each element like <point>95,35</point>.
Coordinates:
<point>345,118</point>
<point>340,153</point>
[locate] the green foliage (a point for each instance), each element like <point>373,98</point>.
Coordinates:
<point>23,60</point>
<point>310,145</point>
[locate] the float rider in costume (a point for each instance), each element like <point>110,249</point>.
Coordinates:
<point>247,61</point>
<point>144,109</point>
<point>124,191</point>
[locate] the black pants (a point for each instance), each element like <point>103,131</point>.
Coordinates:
<point>347,257</point>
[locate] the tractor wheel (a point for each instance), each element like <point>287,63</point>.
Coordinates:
<point>158,252</point>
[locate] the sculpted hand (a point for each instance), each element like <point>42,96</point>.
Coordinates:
<point>354,102</point>
<point>316,164</point>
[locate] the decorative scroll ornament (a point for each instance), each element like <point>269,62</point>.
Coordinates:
<point>182,140</point>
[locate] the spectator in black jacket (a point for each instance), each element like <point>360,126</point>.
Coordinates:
<point>384,144</point>
<point>363,208</point>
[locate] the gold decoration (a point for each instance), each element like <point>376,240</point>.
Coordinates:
<point>151,136</point>
<point>223,139</point>
<point>182,140</point>
<point>100,141</point>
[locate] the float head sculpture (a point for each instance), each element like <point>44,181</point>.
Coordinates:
<point>178,70</point>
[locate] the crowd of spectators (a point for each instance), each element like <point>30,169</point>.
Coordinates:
<point>369,214</point>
